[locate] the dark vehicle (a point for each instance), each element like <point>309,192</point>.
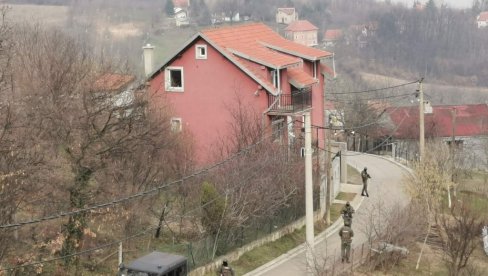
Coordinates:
<point>156,264</point>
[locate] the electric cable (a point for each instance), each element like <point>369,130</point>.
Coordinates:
<point>375,89</point>
<point>133,236</point>
<point>140,194</point>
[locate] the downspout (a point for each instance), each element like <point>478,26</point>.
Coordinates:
<point>275,101</point>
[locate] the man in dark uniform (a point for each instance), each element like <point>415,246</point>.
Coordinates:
<point>225,269</point>
<point>365,176</point>
<point>346,235</point>
<point>347,212</point>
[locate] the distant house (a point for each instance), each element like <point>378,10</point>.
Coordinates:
<point>277,78</point>
<point>181,17</point>
<point>418,6</point>
<point>181,12</point>
<point>118,90</point>
<point>468,124</point>
<point>482,20</point>
<point>302,32</point>
<point>286,15</point>
<point>332,36</point>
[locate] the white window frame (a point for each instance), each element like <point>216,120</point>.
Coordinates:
<point>173,126</point>
<point>167,75</point>
<point>198,54</point>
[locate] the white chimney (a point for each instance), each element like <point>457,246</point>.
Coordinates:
<point>148,59</point>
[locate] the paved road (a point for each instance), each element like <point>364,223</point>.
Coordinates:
<point>385,189</point>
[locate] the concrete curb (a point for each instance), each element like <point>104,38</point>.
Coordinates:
<point>319,238</point>
<point>302,247</point>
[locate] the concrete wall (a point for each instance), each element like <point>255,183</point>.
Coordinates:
<point>236,254</point>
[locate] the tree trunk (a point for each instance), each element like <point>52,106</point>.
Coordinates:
<point>73,230</point>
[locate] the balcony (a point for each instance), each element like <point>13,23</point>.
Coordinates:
<point>297,101</point>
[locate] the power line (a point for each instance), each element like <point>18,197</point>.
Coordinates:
<point>374,90</point>
<point>141,233</point>
<point>371,99</point>
<point>140,194</point>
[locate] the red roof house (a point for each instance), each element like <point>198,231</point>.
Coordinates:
<point>482,19</point>
<point>276,77</point>
<point>303,32</point>
<point>469,121</point>
<point>286,15</point>
<point>332,36</point>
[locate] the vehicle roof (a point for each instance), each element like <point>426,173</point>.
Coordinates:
<point>156,262</point>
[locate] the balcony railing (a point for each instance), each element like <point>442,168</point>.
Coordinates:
<point>290,103</point>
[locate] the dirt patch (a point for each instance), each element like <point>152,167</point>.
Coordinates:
<point>121,31</point>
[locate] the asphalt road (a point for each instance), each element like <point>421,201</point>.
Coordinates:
<point>386,189</point>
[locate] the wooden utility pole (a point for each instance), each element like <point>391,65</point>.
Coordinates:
<point>421,123</point>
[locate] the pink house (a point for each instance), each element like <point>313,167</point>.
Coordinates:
<point>276,77</point>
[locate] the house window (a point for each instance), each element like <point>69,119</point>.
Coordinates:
<point>174,79</point>
<point>176,124</point>
<point>274,77</point>
<point>201,52</point>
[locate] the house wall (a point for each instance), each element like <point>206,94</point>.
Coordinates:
<point>284,18</point>
<point>307,38</point>
<point>211,87</point>
<point>482,24</point>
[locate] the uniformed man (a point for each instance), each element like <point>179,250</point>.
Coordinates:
<point>346,235</point>
<point>347,212</point>
<point>365,176</point>
<point>225,269</point>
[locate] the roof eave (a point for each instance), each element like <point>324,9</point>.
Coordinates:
<point>275,66</point>
<point>311,58</point>
<point>172,57</point>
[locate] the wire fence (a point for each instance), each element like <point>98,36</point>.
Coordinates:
<point>201,252</point>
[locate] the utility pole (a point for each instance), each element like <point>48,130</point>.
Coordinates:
<point>309,235</point>
<point>329,178</point>
<point>421,123</point>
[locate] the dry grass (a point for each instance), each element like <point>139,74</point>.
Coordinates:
<point>43,14</point>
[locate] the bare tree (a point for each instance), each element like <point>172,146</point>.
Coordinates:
<point>103,149</point>
<point>459,231</point>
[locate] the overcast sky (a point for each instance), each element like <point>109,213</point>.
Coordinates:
<point>451,3</point>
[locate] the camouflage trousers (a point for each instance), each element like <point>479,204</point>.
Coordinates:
<point>345,250</point>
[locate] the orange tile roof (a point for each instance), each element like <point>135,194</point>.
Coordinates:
<point>181,3</point>
<point>333,34</point>
<point>254,43</point>
<point>112,82</point>
<point>298,78</point>
<point>483,16</point>
<point>300,26</point>
<point>246,39</point>
<point>288,11</point>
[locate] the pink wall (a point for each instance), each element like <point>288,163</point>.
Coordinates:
<point>210,88</point>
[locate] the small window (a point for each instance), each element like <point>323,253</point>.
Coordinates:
<point>174,79</point>
<point>176,124</point>
<point>201,51</point>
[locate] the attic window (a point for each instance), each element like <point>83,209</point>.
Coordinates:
<point>201,52</point>
<point>174,79</point>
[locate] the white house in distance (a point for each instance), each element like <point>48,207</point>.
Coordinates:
<point>286,15</point>
<point>482,20</point>
<point>303,32</point>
